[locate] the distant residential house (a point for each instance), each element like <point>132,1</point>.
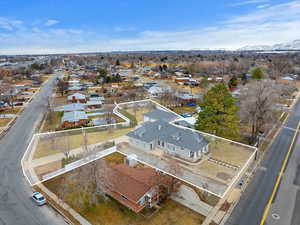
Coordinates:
<point>70,107</point>
<point>77,98</point>
<point>136,188</point>
<point>174,140</point>
<point>178,74</point>
<point>75,88</point>
<point>219,79</point>
<point>96,98</point>
<point>21,86</point>
<point>187,97</point>
<point>74,82</point>
<point>74,118</point>
<point>182,80</point>
<point>74,76</point>
<point>156,90</point>
<point>94,104</point>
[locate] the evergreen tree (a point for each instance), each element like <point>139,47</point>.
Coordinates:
<point>233,82</point>
<point>219,115</point>
<point>257,73</point>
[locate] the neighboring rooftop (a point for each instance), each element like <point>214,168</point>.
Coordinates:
<point>70,107</point>
<point>77,96</point>
<point>163,115</point>
<point>74,116</point>
<point>132,182</point>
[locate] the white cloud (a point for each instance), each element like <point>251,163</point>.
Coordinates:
<point>123,29</point>
<point>262,6</point>
<point>9,24</point>
<point>248,2</point>
<point>50,23</point>
<point>282,12</point>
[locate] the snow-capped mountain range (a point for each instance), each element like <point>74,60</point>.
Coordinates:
<point>293,45</point>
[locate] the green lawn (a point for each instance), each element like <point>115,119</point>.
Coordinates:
<point>49,146</point>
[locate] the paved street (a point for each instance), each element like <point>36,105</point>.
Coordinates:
<point>250,209</point>
<point>16,207</point>
<point>288,196</point>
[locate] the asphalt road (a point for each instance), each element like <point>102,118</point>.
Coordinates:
<point>250,208</point>
<point>16,207</point>
<point>288,195</point>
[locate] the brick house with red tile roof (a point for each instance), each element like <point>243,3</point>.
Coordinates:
<point>137,188</point>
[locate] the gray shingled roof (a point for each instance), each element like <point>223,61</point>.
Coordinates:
<point>160,130</point>
<point>94,103</point>
<point>77,96</point>
<point>159,114</point>
<point>70,107</point>
<point>74,116</point>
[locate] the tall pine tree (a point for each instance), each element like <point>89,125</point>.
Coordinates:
<point>219,114</point>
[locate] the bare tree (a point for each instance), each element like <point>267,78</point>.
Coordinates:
<point>67,147</point>
<point>279,65</point>
<point>257,104</point>
<point>85,143</point>
<point>62,86</point>
<point>49,109</point>
<point>287,89</point>
<point>135,109</point>
<point>174,168</point>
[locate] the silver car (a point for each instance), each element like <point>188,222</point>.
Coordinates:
<point>38,198</point>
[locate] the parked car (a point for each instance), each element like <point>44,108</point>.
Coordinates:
<point>186,115</point>
<point>38,198</point>
<point>191,104</point>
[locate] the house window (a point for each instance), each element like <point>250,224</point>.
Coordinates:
<point>158,142</point>
<point>192,154</point>
<point>163,144</point>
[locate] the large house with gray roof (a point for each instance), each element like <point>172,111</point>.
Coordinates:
<point>160,134</point>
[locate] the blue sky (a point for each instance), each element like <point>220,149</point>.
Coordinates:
<point>52,26</point>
